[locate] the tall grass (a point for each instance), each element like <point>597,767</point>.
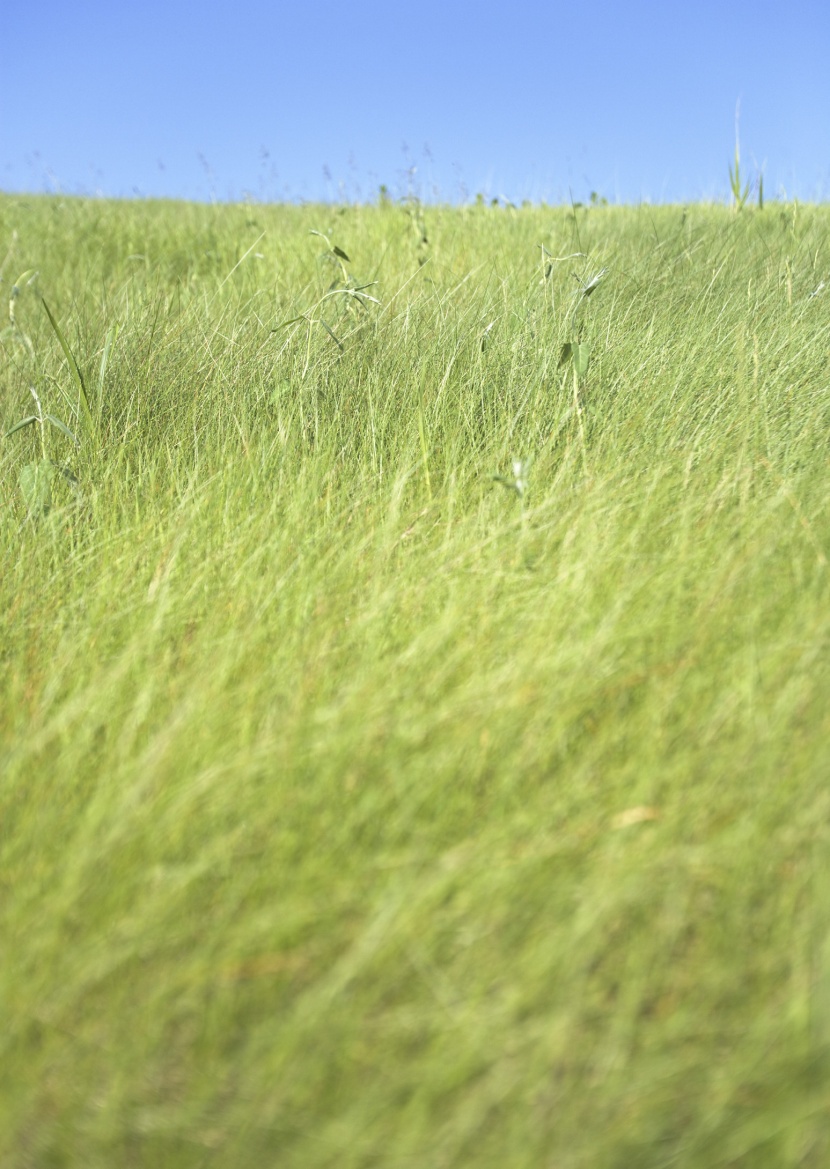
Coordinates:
<point>355,810</point>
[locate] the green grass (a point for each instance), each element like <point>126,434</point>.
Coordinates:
<point>316,741</point>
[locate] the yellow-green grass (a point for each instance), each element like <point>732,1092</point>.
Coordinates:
<point>356,809</point>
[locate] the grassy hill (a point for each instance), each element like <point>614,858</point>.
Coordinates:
<point>414,687</point>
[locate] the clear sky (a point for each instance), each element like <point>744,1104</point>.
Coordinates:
<point>525,100</point>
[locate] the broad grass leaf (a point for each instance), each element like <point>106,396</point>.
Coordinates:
<point>62,427</point>
<point>19,425</point>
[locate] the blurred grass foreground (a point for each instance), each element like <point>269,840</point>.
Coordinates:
<point>415,722</point>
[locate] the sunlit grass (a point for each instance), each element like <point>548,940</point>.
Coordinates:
<point>415,719</point>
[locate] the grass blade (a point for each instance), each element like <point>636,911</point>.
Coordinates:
<point>338,343</point>
<point>77,376</point>
<point>112,334</point>
<point>285,324</point>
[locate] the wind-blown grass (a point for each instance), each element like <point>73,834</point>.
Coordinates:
<point>357,811</point>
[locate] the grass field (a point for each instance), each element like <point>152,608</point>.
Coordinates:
<point>360,808</point>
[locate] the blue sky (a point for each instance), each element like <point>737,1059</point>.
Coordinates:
<point>635,100</point>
